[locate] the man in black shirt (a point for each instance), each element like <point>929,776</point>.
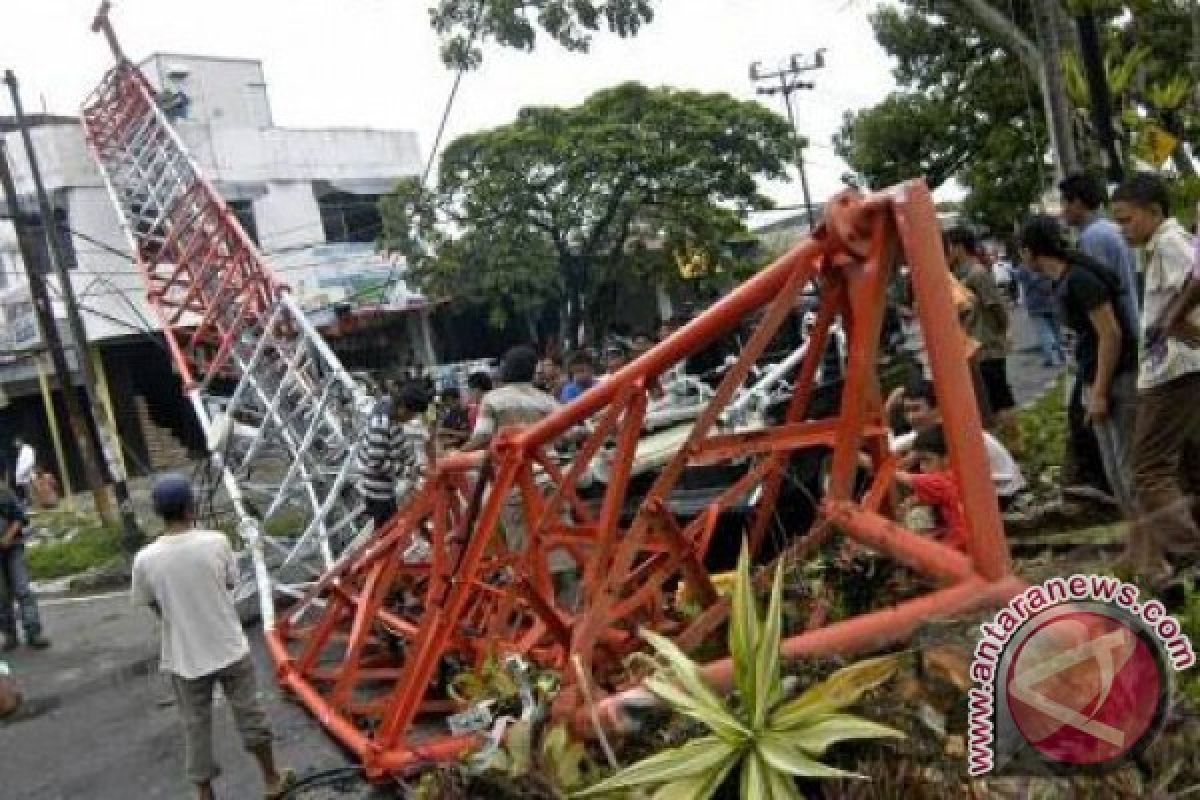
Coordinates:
<point>1106,346</point>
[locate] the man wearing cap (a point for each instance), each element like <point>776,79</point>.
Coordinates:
<point>186,577</point>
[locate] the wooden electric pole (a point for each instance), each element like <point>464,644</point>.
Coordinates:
<point>132,538</point>
<point>44,312</point>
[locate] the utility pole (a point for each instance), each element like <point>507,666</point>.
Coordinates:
<point>45,317</point>
<point>132,538</point>
<point>789,82</point>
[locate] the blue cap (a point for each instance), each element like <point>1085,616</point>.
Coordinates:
<point>172,494</point>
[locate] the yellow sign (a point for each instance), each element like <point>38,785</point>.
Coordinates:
<point>692,263</point>
<point>1156,145</point>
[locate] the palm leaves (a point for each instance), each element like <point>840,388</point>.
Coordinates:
<point>771,739</point>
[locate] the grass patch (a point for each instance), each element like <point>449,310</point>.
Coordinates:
<point>286,524</point>
<point>91,547</point>
<point>1044,438</point>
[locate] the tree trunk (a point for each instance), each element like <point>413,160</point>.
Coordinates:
<point>1092,55</point>
<point>1054,91</point>
<point>576,335</point>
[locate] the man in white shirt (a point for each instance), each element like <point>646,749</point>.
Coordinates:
<point>186,577</point>
<point>921,412</point>
<point>23,474</point>
<point>1166,436</point>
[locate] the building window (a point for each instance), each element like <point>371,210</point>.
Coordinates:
<point>41,248</point>
<point>350,217</point>
<point>244,211</point>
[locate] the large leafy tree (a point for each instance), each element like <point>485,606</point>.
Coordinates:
<point>970,104</point>
<point>465,24</point>
<point>965,109</point>
<point>563,203</point>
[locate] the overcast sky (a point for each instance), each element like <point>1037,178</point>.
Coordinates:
<point>375,63</point>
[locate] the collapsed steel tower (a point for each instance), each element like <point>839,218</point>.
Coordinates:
<point>509,552</point>
<point>280,413</point>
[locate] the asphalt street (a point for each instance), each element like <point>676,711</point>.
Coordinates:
<point>97,723</point>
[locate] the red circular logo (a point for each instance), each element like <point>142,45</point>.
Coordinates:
<point>1084,688</point>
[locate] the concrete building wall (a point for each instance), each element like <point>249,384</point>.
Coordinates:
<point>220,91</point>
<point>107,283</point>
<point>287,216</point>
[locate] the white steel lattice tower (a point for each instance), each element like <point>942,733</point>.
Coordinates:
<point>281,415</point>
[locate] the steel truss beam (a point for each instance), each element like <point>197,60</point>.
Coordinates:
<point>473,567</point>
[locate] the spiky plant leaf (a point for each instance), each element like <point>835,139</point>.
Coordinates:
<point>698,787</point>
<point>683,669</point>
<point>819,734</point>
<point>704,756</point>
<point>721,721</point>
<point>744,629</point>
<point>782,785</point>
<point>767,679</point>
<point>781,753</point>
<point>754,779</point>
<point>841,689</point>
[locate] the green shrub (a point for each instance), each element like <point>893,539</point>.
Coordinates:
<point>1044,435</point>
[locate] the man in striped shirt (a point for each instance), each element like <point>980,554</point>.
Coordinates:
<point>516,402</point>
<point>393,450</point>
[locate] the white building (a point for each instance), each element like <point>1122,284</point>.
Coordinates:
<point>306,196</point>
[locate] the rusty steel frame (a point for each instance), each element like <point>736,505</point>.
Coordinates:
<point>368,648</point>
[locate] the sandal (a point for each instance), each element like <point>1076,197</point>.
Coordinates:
<point>287,782</point>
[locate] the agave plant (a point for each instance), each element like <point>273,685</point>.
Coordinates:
<point>772,739</point>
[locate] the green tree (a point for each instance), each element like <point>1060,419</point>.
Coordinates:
<point>970,105</point>
<point>1151,84</point>
<point>464,24</point>
<point>965,110</point>
<point>563,203</point>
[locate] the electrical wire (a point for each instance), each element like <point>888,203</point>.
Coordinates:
<point>322,778</point>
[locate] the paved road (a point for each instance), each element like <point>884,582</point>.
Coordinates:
<point>1028,377</point>
<point>96,727</point>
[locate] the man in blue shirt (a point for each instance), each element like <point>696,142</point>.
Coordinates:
<point>1083,197</point>
<point>1041,302</point>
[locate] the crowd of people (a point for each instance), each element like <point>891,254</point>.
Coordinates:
<point>1127,288</point>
